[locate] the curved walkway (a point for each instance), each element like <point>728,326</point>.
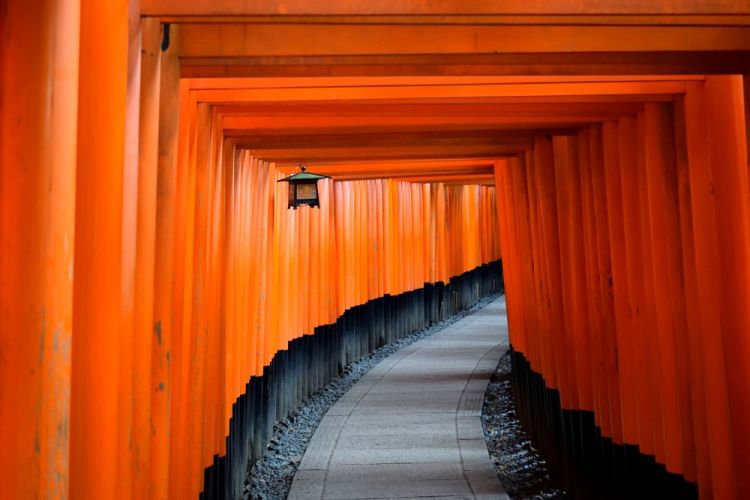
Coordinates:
<point>410,427</point>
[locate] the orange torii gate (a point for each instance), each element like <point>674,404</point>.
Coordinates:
<point>144,241</point>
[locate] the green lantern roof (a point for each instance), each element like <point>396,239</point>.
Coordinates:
<point>304,175</point>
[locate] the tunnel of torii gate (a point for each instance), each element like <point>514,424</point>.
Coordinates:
<point>160,307</point>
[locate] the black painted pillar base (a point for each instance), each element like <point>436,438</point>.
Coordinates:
<point>581,461</point>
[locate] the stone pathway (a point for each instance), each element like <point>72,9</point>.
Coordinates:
<point>410,427</point>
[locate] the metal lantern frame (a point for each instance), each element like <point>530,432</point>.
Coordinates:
<point>303,188</point>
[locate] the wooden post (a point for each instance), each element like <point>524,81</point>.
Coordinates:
<point>164,270</point>
<point>731,184</point>
<point>143,283</point>
<point>613,134</point>
<point>710,341</point>
<point>39,56</point>
<point>98,299</point>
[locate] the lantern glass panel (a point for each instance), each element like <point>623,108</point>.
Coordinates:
<point>291,194</point>
<point>307,192</point>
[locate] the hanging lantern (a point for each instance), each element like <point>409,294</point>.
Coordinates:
<point>303,188</point>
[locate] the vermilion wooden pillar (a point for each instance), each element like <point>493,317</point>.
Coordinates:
<point>709,343</point>
<point>620,289</point>
<point>731,184</point>
<point>592,275</point>
<point>572,269</point>
<point>98,296</point>
<point>506,233</point>
<point>666,268</point>
<point>130,443</point>
<point>544,175</point>
<point>697,459</point>
<point>144,333</point>
<point>39,106</point>
<point>182,212</point>
<point>164,271</point>
<point>746,84</point>
<point>609,335</point>
<point>537,342</point>
<point>190,360</point>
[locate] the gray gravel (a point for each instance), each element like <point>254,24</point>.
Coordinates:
<point>271,477</point>
<point>518,465</point>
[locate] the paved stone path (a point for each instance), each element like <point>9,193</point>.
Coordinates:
<point>410,427</point>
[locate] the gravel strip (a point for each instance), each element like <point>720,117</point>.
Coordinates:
<point>518,465</point>
<point>271,477</point>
